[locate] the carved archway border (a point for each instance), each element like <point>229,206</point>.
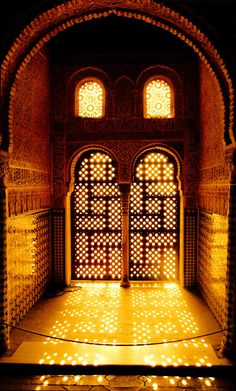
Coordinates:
<point>70,174</point>
<point>50,23</point>
<point>168,151</point>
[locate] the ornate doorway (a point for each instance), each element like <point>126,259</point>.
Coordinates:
<point>154,218</point>
<point>96,219</point>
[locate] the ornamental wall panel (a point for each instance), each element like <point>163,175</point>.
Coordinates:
<point>212,262</point>
<point>28,262</point>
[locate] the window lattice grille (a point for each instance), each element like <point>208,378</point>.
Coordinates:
<point>154,219</point>
<point>90,100</point>
<point>158,99</point>
<point>97,220</point>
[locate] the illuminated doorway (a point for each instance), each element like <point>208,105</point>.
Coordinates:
<point>154,218</point>
<point>96,219</point>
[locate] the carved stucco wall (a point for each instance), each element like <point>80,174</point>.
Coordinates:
<point>213,196</point>
<point>29,175</point>
<point>28,181</point>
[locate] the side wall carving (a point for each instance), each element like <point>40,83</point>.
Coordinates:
<point>28,258</point>
<point>28,193</point>
<point>212,266</point>
<point>29,175</point>
<point>214,186</point>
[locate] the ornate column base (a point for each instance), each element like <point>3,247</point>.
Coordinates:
<point>125,282</point>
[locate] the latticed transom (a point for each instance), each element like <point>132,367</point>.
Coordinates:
<point>157,99</point>
<point>90,99</point>
<point>97,219</point>
<point>154,219</point>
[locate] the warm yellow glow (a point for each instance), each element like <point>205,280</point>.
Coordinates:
<point>154,219</point>
<point>97,222</point>
<point>139,315</point>
<point>90,99</point>
<point>157,98</point>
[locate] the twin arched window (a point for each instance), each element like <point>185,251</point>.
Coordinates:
<point>158,99</point>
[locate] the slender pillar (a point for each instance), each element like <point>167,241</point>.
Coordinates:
<point>125,198</point>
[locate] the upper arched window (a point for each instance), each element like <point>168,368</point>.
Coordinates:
<point>90,99</point>
<point>158,99</point>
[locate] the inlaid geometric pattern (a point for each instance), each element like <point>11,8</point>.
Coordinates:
<point>96,219</point>
<point>154,219</point>
<point>29,264</point>
<point>58,245</point>
<point>212,261</point>
<point>190,246</point>
<point>157,99</point>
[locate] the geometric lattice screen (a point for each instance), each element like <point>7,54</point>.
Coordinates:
<point>154,219</point>
<point>158,99</point>
<point>96,219</point>
<point>90,100</point>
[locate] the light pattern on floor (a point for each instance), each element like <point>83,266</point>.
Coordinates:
<point>152,382</point>
<point>102,312</point>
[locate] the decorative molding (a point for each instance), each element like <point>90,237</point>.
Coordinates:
<point>96,126</point>
<point>214,199</point>
<point>25,201</point>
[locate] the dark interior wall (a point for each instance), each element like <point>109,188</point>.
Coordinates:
<point>29,188</point>
<point>214,175</point>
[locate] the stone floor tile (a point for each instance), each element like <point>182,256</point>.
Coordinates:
<point>94,380</point>
<point>129,381</point>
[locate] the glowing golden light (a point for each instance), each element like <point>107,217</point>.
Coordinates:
<point>97,233</point>
<point>157,98</point>
<point>154,219</point>
<point>90,99</point>
<point>159,314</point>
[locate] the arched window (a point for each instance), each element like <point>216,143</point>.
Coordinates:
<point>158,99</point>
<point>90,99</point>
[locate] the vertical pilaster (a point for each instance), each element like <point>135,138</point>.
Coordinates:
<point>125,198</point>
<point>4,330</point>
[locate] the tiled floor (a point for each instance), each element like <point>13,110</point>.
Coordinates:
<point>114,383</point>
<point>149,314</point>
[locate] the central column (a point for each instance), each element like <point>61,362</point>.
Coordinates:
<point>125,198</point>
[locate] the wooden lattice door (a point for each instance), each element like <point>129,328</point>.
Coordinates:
<point>96,219</point>
<point>154,218</point>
